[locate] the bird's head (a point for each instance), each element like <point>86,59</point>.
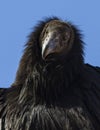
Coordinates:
<point>56,39</point>
<point>53,42</point>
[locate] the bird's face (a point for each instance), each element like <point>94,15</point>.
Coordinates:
<point>56,39</point>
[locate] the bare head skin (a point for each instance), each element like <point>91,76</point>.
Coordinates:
<point>56,38</point>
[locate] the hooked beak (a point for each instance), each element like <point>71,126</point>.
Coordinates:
<point>55,39</point>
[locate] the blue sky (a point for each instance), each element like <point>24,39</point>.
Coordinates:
<point>18,17</point>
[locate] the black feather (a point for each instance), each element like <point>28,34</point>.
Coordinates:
<point>58,95</point>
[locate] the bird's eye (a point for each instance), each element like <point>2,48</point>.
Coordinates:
<point>56,39</point>
<point>64,37</point>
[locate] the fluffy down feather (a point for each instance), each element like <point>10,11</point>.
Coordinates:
<point>54,89</point>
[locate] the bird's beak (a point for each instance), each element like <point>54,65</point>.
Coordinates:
<point>55,39</point>
<point>50,45</point>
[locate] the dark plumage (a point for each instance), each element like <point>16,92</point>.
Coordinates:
<point>53,89</point>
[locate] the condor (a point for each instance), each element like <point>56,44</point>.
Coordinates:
<point>54,89</point>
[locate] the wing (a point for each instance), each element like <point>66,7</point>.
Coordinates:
<point>2,107</point>
<point>93,74</point>
<point>91,93</point>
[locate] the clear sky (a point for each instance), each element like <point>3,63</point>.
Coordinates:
<point>17,17</point>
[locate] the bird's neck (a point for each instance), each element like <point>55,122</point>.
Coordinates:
<point>50,82</point>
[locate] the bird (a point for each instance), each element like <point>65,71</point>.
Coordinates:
<point>54,89</point>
